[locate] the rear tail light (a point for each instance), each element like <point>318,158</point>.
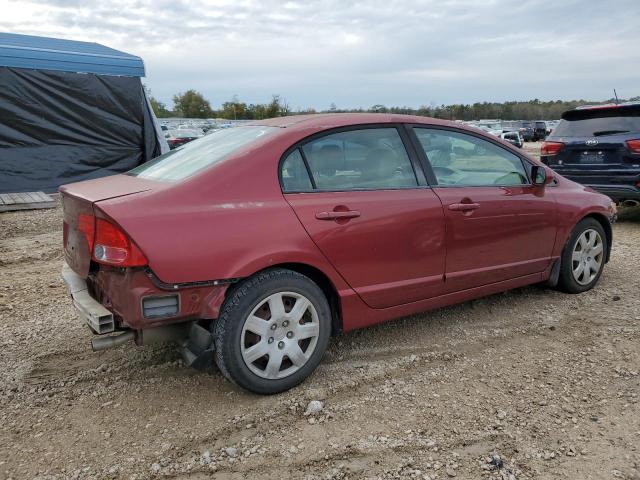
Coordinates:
<point>87,226</point>
<point>551,148</point>
<point>634,145</point>
<point>109,244</point>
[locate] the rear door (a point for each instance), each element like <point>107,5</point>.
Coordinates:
<point>499,226</point>
<point>362,200</point>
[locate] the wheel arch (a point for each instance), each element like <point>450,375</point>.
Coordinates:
<point>320,278</point>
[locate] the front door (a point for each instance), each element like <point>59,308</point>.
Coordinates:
<point>366,211</point>
<point>499,225</point>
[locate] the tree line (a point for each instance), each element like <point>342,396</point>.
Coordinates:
<point>192,104</point>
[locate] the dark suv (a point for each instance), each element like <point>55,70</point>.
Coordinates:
<point>539,130</point>
<point>527,131</point>
<point>599,146</point>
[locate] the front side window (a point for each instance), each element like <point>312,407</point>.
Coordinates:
<point>459,159</point>
<point>372,158</point>
<point>185,161</point>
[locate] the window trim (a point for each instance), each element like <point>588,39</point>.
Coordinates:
<point>412,155</point>
<point>431,177</point>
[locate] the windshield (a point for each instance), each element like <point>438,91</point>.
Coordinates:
<point>183,162</point>
<point>595,126</point>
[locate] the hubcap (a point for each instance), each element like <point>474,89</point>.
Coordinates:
<point>279,335</point>
<point>587,257</point>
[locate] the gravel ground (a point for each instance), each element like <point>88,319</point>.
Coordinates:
<point>527,384</point>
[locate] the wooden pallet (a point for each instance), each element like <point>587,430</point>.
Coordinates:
<point>25,201</point>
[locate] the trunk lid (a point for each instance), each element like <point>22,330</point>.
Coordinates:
<point>78,202</point>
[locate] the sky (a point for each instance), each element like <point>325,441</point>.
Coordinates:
<point>359,53</point>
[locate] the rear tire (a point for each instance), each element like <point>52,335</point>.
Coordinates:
<point>272,331</point>
<point>583,257</point>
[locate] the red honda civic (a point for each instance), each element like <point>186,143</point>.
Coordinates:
<point>255,244</point>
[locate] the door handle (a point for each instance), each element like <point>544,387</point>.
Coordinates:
<point>337,215</point>
<point>464,207</point>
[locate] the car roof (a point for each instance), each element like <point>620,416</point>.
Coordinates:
<point>323,121</point>
<point>608,105</point>
<point>585,111</point>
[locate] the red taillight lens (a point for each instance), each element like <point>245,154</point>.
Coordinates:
<point>112,246</point>
<point>634,145</point>
<point>109,244</point>
<point>87,225</point>
<point>551,148</point>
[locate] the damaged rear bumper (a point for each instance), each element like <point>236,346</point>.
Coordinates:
<point>196,342</point>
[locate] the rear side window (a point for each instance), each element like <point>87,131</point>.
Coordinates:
<point>459,159</point>
<point>295,177</point>
<point>185,161</point>
<point>372,158</point>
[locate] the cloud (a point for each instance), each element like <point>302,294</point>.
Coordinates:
<point>358,53</point>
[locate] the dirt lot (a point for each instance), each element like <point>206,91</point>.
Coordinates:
<point>527,384</point>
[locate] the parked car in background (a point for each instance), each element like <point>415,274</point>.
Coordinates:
<point>599,146</point>
<point>513,137</point>
<point>177,138</point>
<point>539,130</point>
<point>255,244</point>
<point>526,130</point>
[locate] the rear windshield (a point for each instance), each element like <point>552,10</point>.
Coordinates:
<point>596,123</point>
<point>185,161</point>
<point>186,134</point>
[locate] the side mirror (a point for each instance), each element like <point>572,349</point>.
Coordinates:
<point>541,176</point>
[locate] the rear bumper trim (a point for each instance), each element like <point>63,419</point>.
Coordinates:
<point>99,319</point>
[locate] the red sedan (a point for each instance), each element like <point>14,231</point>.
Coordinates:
<point>253,245</point>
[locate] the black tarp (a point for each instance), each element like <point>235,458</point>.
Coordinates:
<point>60,127</point>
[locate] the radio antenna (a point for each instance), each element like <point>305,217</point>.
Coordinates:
<point>616,95</point>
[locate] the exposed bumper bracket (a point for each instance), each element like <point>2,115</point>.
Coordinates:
<point>99,319</point>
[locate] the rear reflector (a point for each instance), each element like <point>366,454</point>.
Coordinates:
<point>551,148</point>
<point>156,307</point>
<point>634,145</point>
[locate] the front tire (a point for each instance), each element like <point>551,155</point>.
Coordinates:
<point>272,331</point>
<point>583,257</point>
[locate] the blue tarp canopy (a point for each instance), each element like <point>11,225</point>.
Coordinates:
<point>43,53</point>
